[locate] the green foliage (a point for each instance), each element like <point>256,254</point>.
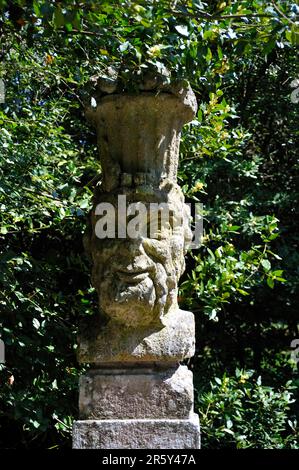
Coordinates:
<point>238,157</point>
<point>239,412</point>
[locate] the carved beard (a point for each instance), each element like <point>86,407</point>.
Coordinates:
<point>138,292</point>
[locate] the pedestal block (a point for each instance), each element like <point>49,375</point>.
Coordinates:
<point>137,434</point>
<point>136,394</point>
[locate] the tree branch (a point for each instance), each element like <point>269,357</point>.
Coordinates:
<point>281,13</point>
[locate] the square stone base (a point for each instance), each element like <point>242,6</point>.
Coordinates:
<point>136,394</point>
<point>137,434</point>
<point>171,342</point>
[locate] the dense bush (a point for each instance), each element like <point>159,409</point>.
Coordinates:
<point>238,157</point>
<point>239,412</point>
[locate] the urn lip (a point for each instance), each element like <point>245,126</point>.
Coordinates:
<point>183,100</point>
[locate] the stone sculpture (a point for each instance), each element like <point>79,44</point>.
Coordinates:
<point>137,395</point>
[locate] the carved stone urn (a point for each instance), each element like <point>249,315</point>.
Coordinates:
<point>137,394</point>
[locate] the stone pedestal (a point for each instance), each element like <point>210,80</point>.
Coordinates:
<point>137,434</point>
<point>141,393</point>
<point>141,408</point>
<point>137,395</point>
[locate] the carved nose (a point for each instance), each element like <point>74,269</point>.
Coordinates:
<point>133,247</point>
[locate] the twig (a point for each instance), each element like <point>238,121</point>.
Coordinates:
<point>207,16</point>
<point>255,270</point>
<point>282,14</point>
<point>78,31</point>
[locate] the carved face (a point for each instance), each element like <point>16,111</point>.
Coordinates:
<point>136,278</point>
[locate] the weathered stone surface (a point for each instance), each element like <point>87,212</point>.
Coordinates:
<point>141,133</point>
<point>137,434</point>
<point>139,325</point>
<point>137,278</point>
<point>110,344</point>
<point>136,393</point>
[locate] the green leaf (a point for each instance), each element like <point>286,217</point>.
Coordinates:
<point>183,30</point>
<point>266,264</point>
<point>36,323</point>
<point>243,292</point>
<point>270,46</point>
<point>228,431</point>
<point>278,272</point>
<point>59,19</point>
<point>293,35</point>
<point>124,46</point>
<point>36,8</point>
<point>270,282</point>
<point>220,53</point>
<point>209,55</point>
<point>68,26</point>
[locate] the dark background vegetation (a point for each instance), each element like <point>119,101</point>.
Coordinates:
<point>238,157</point>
